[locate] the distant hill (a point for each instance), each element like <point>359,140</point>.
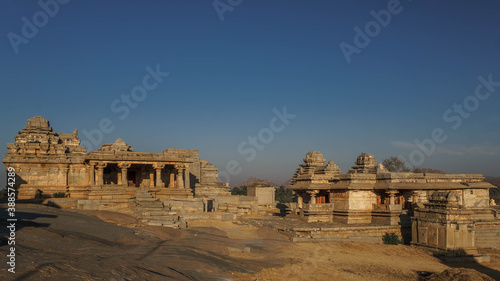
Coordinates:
<point>252,180</point>
<point>287,183</point>
<point>494,181</point>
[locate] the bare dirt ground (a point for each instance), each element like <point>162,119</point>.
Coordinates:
<point>55,244</point>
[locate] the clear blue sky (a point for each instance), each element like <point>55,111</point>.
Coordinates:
<point>227,76</point>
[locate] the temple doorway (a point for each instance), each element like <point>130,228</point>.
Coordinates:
<point>131,178</point>
<point>209,205</point>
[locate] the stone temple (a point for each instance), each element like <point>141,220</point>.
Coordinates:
<point>168,188</point>
<point>115,177</point>
<point>446,211</point>
<point>52,162</point>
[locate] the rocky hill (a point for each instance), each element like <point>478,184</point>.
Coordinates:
<point>253,180</point>
<point>494,181</point>
<point>287,183</point>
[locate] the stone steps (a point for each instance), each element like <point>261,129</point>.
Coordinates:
<point>97,197</point>
<point>158,205</point>
<point>163,224</point>
<point>161,217</point>
<point>107,193</point>
<point>152,212</point>
<point>158,213</point>
<point>210,216</point>
<point>145,199</point>
<point>150,207</point>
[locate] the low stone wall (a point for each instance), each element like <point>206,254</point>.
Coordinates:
<point>116,205</point>
<point>300,231</point>
<point>368,234</point>
<point>35,192</point>
<point>210,216</point>
<point>184,205</point>
<point>237,204</point>
<point>487,234</point>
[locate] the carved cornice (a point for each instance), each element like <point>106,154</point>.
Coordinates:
<point>123,165</point>
<point>158,166</point>
<point>180,166</point>
<point>101,165</point>
<point>313,192</point>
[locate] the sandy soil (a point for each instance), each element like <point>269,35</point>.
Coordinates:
<point>55,244</point>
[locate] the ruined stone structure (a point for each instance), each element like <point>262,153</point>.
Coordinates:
<point>263,192</point>
<point>369,194</point>
<point>115,177</point>
<point>169,188</point>
<point>442,224</point>
<point>48,162</point>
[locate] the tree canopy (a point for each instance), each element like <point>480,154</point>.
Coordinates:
<point>394,164</point>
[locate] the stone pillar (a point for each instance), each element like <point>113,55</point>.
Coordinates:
<point>124,169</point>
<point>171,182</point>
<point>151,178</point>
<point>313,193</point>
<point>91,173</point>
<point>330,197</point>
<point>142,176</point>
<point>65,170</point>
<point>180,181</point>
<point>300,200</point>
<point>158,167</point>
<point>100,173</point>
<point>119,178</point>
<point>392,194</point>
<point>186,178</point>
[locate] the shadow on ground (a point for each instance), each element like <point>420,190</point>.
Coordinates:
<point>56,244</point>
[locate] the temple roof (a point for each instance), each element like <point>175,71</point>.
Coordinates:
<point>118,145</point>
<point>38,123</point>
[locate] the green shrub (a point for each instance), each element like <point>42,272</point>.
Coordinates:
<point>495,194</point>
<point>59,195</point>
<point>391,239</point>
<point>242,190</point>
<point>283,195</point>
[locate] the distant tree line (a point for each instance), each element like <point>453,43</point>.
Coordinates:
<point>283,195</point>
<point>495,192</point>
<point>394,164</point>
<point>242,190</point>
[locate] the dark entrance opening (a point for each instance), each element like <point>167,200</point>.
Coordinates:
<point>209,205</point>
<point>110,174</point>
<point>131,178</point>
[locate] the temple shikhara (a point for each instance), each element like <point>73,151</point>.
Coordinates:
<point>444,211</point>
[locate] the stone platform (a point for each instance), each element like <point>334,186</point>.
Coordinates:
<point>300,231</point>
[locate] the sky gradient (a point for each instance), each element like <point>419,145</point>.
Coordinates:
<point>228,78</point>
